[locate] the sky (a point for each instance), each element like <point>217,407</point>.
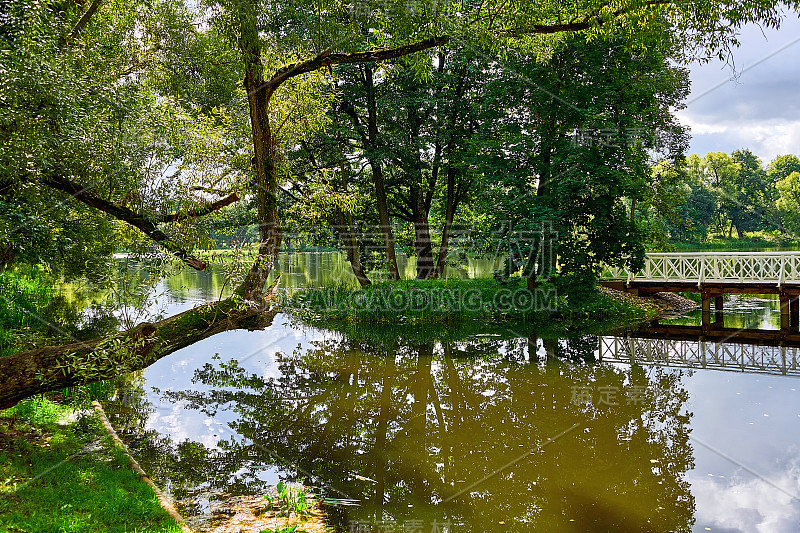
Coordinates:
<point>754,105</point>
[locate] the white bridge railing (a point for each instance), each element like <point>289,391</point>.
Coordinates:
<point>701,354</point>
<point>725,267</point>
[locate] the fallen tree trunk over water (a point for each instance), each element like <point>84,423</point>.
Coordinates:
<point>54,367</point>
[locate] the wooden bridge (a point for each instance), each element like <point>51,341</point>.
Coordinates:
<point>714,274</point>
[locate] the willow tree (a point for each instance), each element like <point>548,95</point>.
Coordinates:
<point>75,73</point>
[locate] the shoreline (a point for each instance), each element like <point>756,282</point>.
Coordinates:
<point>453,309</point>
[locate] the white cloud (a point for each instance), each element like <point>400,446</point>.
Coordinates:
<point>767,138</point>
<point>756,106</point>
<point>746,503</point>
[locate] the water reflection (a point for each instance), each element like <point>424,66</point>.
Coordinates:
<point>740,312</point>
<point>141,295</point>
<point>393,423</point>
<point>451,432</point>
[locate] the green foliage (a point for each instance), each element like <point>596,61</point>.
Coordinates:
<point>459,302</point>
<point>789,201</point>
<point>288,501</point>
<point>22,301</point>
<point>575,147</point>
<point>725,192</point>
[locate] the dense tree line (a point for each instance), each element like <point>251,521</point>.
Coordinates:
<point>727,195</point>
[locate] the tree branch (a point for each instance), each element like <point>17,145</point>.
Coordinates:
<point>84,195</point>
<point>326,58</point>
<point>199,211</point>
<point>591,20</point>
<point>83,21</point>
<point>39,370</point>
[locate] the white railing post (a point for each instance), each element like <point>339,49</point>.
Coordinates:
<point>702,274</point>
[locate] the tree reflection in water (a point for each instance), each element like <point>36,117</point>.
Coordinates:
<point>405,428</point>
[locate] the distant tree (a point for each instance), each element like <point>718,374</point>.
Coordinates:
<point>777,170</point>
<point>751,194</point>
<point>695,214</point>
<point>782,166</point>
<point>788,202</point>
<point>661,202</point>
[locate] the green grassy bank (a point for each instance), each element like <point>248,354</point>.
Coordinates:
<point>751,241</point>
<point>485,301</point>
<point>59,473</point>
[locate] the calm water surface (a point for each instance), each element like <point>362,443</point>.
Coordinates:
<point>498,432</point>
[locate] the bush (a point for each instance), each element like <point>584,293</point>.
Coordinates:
<point>21,302</point>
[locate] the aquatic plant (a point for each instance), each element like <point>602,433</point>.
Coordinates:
<point>288,500</point>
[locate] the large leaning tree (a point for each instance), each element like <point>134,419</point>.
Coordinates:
<point>92,111</point>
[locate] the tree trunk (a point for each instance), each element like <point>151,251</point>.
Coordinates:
<point>377,176</point>
<point>351,248</point>
<point>348,230</point>
<point>54,367</point>
<point>419,200</point>
<point>422,234</point>
<point>452,200</point>
<point>266,179</point>
<point>449,214</point>
<point>543,189</point>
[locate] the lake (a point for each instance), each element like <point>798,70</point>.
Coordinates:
<point>500,431</point>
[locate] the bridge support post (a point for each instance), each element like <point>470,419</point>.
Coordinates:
<point>794,312</point>
<point>719,319</point>
<point>706,307</point>
<point>785,314</point>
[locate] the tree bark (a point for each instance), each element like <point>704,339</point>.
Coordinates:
<point>54,367</point>
<point>369,141</point>
<point>348,234</point>
<point>83,21</point>
<point>266,179</point>
<point>199,211</point>
<point>419,199</point>
<point>449,214</point>
<point>422,234</point>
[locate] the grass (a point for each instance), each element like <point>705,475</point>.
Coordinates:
<point>752,241</point>
<point>455,304</point>
<point>67,477</point>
